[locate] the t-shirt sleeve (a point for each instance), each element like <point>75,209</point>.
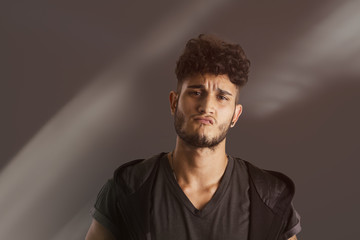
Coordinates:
<point>293,226</point>
<point>105,210</point>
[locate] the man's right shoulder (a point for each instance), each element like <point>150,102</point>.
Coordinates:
<point>133,174</point>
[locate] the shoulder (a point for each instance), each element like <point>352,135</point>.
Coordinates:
<point>133,174</point>
<point>271,186</point>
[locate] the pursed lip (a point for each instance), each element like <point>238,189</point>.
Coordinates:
<point>205,120</point>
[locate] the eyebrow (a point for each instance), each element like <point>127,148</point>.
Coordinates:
<point>203,87</point>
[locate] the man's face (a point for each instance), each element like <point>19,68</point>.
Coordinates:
<point>205,109</point>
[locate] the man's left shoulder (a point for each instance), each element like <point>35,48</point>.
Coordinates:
<point>271,186</point>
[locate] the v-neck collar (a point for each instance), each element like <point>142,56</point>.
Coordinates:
<point>216,198</point>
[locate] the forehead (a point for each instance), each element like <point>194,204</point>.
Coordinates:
<point>210,81</point>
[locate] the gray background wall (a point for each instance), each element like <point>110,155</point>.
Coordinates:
<point>84,88</point>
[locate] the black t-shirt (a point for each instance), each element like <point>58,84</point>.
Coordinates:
<point>173,216</point>
<point>225,216</point>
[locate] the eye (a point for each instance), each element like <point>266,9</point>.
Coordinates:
<point>223,98</point>
<point>195,93</point>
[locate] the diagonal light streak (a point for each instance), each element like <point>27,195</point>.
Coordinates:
<point>325,53</point>
<point>74,133</point>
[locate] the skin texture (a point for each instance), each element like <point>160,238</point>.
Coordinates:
<point>199,156</point>
<point>216,105</point>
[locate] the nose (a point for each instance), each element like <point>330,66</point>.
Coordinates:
<point>206,105</point>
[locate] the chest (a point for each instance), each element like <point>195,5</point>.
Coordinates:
<point>219,214</point>
<point>199,197</point>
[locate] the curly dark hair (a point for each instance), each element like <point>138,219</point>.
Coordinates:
<point>207,54</point>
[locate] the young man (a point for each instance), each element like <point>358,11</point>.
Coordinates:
<point>197,191</point>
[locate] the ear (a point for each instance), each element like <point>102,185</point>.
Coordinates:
<point>238,111</point>
<point>173,97</point>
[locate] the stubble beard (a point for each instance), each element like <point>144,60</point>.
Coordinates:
<point>199,140</point>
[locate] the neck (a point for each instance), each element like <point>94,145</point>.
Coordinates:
<point>198,166</point>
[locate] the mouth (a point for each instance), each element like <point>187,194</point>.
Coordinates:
<point>204,120</point>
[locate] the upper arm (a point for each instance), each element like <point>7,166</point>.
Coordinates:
<point>98,232</point>
<point>293,238</point>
